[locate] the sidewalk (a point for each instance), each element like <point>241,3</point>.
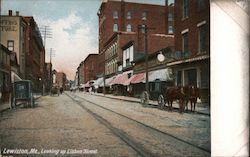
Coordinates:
<point>6,106</point>
<point>199,108</point>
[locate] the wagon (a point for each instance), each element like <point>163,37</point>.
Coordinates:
<point>22,92</point>
<point>54,91</point>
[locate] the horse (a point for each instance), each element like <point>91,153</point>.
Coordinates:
<point>175,93</point>
<point>193,93</point>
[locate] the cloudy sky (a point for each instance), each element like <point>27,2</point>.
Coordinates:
<point>74,27</point>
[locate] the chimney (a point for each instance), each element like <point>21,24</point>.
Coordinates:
<point>10,12</point>
<point>17,13</point>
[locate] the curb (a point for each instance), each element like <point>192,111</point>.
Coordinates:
<point>8,108</point>
<point>134,101</point>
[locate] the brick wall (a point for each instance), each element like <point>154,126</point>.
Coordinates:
<point>90,67</point>
<point>195,16</point>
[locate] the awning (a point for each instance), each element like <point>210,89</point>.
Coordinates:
<point>107,81</point>
<point>98,82</point>
<point>138,78</point>
<point>89,83</point>
<point>120,79</point>
<point>162,75</point>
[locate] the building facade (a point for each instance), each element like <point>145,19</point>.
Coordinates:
<point>5,73</point>
<point>192,43</point>
<point>90,67</point>
<point>48,79</point>
<point>35,55</point>
<point>61,79</point>
<point>122,32</point>
<point>13,36</point>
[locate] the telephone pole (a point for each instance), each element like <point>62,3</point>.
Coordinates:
<point>46,33</point>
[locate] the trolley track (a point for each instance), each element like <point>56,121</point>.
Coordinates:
<point>119,133</point>
<point>142,151</point>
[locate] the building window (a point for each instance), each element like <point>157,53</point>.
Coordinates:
<point>143,28</point>
<point>115,14</point>
<point>185,43</point>
<point>144,15</point>
<point>129,15</point>
<point>202,39</point>
<point>184,8</point>
<point>201,4</point>
<point>115,27</point>
<point>170,17</point>
<point>128,56</point>
<point>10,45</point>
<point>170,30</point>
<point>129,28</point>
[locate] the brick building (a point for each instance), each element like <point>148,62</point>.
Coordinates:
<point>48,79</point>
<point>122,32</point>
<point>35,55</point>
<point>192,37</point>
<point>90,67</point>
<point>13,36</point>
<point>80,70</point>
<point>5,73</point>
<point>61,79</point>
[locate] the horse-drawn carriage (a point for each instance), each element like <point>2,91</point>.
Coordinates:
<point>54,91</point>
<point>182,94</point>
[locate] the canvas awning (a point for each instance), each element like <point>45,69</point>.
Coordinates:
<point>107,81</point>
<point>162,75</point>
<point>98,82</point>
<point>138,78</point>
<point>120,79</point>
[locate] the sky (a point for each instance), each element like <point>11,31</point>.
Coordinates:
<point>73,24</point>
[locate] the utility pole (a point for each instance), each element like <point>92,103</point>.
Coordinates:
<point>146,57</point>
<point>46,33</point>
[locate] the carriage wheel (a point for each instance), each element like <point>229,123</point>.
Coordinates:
<point>144,98</point>
<point>161,101</point>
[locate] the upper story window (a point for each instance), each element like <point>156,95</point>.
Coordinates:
<point>144,15</point>
<point>129,28</point>
<point>129,15</point>
<point>170,17</point>
<point>202,38</point>
<point>128,56</point>
<point>201,4</point>
<point>115,14</point>
<point>170,29</point>
<point>115,27</point>
<point>10,45</point>
<point>142,28</point>
<point>185,42</point>
<point>184,8</point>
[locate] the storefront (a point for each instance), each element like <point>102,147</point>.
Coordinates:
<point>194,71</point>
<point>5,74</point>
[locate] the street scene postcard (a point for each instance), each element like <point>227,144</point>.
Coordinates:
<point>113,78</point>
